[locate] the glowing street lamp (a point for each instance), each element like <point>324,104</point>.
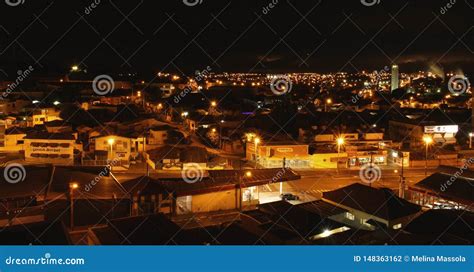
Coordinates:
<point>111,142</point>
<point>428,140</point>
<point>213,104</point>
<point>256,142</point>
<point>328,102</point>
<point>340,142</point>
<point>75,68</point>
<point>470,139</point>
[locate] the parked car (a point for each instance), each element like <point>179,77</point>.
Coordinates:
<point>289,197</point>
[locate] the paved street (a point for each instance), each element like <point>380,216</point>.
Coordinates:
<point>315,182</point>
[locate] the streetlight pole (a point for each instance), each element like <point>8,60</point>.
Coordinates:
<point>111,142</point>
<point>256,142</point>
<point>72,187</point>
<point>340,142</point>
<point>428,140</point>
<point>470,139</point>
<point>401,192</point>
<point>145,140</point>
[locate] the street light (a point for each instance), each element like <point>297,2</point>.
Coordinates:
<point>470,139</point>
<point>428,140</point>
<point>340,142</point>
<point>256,142</point>
<point>111,142</point>
<point>213,103</point>
<point>72,186</point>
<point>328,102</point>
<point>401,192</point>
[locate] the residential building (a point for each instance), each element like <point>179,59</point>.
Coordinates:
<point>370,208</point>
<point>57,148</point>
<point>40,116</point>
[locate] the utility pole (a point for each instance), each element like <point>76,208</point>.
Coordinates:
<point>402,179</point>
<point>72,187</point>
<point>145,140</point>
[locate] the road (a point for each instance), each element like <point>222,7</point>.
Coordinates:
<point>314,182</point>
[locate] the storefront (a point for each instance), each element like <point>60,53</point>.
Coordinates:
<point>358,158</point>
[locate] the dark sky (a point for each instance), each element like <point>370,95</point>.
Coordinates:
<point>154,35</point>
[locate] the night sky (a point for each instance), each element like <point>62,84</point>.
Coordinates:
<point>154,35</point>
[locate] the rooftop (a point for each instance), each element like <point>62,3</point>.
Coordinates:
<point>382,203</point>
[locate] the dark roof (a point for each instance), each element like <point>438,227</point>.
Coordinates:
<point>19,130</point>
<point>161,128</point>
<point>94,183</point>
<point>382,203</point>
<point>194,154</point>
<point>154,229</point>
<point>56,123</point>
<point>35,182</point>
<point>212,181</point>
<point>401,237</point>
<point>428,117</point>
<point>447,186</point>
<point>43,233</point>
<point>451,170</point>
<point>165,152</point>
<point>46,135</point>
<point>305,222</point>
<point>241,233</point>
<point>444,223</point>
<point>322,208</point>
